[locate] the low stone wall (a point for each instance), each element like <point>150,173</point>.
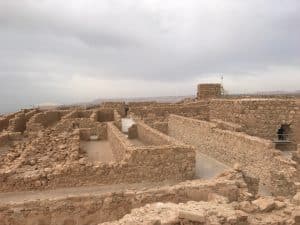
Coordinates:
<point>94,128</point>
<point>45,119</point>
<point>8,137</point>
<point>30,114</point>
<point>105,115</point>
<point>4,139</point>
<point>175,161</point>
<point>117,141</point>
<point>100,131</point>
<point>199,109</point>
<point>256,156</point>
<point>227,125</point>
<point>97,208</point>
<point>79,114</point>
<point>18,123</point>
<point>160,126</point>
<point>151,136</point>
<point>118,119</point>
<point>4,121</point>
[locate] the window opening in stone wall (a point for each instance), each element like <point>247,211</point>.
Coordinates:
<point>283,132</point>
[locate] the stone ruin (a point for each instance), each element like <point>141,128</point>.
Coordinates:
<point>210,160</point>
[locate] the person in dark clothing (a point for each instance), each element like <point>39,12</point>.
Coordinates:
<point>280,133</point>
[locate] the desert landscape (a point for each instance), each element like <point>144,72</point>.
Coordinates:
<point>208,160</point>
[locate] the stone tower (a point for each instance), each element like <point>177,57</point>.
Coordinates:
<point>206,91</point>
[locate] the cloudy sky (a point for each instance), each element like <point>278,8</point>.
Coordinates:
<point>80,50</point>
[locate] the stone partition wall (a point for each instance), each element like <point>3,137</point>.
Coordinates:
<point>174,162</point>
<point>79,114</point>
<point>119,106</point>
<point>199,109</point>
<point>256,156</point>
<point>105,115</point>
<point>297,123</point>
<point>18,123</point>
<point>4,139</point>
<point>120,145</point>
<point>94,128</point>
<point>101,207</point>
<point>4,121</point>
<point>160,126</point>
<point>30,114</point>
<point>258,117</point>
<point>118,119</point>
<point>151,136</point>
<point>45,119</point>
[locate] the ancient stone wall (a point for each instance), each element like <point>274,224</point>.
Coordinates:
<point>117,119</point>
<point>45,119</point>
<point>258,117</point>
<point>117,141</point>
<point>4,139</point>
<point>160,126</point>
<point>61,163</point>
<point>4,121</point>
<point>105,115</point>
<point>297,122</point>
<point>79,114</point>
<point>94,128</point>
<point>18,123</point>
<point>119,106</point>
<point>199,109</point>
<point>97,208</point>
<point>151,136</point>
<point>206,91</point>
<point>30,114</point>
<point>256,156</point>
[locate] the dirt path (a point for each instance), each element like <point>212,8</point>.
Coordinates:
<point>61,193</point>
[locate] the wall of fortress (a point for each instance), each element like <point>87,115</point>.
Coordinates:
<point>256,156</point>
<point>258,117</point>
<point>206,91</point>
<point>153,112</point>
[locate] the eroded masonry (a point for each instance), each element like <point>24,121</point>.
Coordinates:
<point>213,159</point>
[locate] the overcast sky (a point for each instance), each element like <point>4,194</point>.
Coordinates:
<point>72,51</point>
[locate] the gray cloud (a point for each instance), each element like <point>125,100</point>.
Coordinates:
<point>48,45</point>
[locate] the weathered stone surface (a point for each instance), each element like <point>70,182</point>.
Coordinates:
<point>264,204</point>
<point>296,199</point>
